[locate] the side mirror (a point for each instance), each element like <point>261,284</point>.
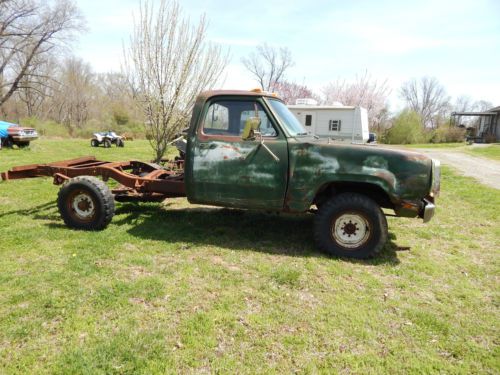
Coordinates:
<point>251,130</point>
<point>252,125</point>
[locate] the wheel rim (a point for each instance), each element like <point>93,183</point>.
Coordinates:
<point>351,230</point>
<point>82,206</point>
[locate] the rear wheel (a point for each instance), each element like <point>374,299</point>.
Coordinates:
<point>120,143</point>
<point>350,225</point>
<point>94,143</point>
<point>86,203</point>
<point>106,143</point>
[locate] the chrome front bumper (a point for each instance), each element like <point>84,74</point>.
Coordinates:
<point>429,210</point>
<point>25,137</point>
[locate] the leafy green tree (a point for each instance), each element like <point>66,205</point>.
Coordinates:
<point>406,129</point>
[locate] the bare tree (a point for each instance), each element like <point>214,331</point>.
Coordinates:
<point>75,94</point>
<point>268,65</point>
<point>364,91</point>
<point>463,103</point>
<point>29,31</point>
<point>169,63</point>
<point>38,85</point>
<point>428,98</point>
<point>482,105</point>
<point>291,91</point>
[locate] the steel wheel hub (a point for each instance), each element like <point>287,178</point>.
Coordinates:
<point>350,230</point>
<point>83,206</point>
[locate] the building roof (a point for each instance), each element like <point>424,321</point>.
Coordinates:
<point>489,113</point>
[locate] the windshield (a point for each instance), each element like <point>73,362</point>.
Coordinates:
<point>286,118</point>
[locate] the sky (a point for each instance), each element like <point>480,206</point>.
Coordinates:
<point>458,42</point>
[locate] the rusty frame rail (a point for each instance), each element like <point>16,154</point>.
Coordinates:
<point>139,180</point>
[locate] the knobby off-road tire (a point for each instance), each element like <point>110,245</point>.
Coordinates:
<point>120,143</point>
<point>86,202</point>
<point>350,225</point>
<point>94,143</point>
<point>106,143</point>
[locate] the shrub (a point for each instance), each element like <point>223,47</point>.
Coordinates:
<point>406,129</point>
<point>120,116</point>
<point>490,138</point>
<point>448,134</point>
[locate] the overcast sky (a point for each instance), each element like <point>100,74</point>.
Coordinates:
<point>457,41</point>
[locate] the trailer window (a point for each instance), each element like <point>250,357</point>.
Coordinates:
<point>308,120</point>
<point>334,125</point>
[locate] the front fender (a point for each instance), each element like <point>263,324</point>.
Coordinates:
<point>401,175</point>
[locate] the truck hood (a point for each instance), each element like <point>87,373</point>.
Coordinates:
<point>404,175</point>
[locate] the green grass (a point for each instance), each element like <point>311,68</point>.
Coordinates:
<point>174,288</point>
<point>490,151</point>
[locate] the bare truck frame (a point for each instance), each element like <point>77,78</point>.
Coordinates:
<point>138,180</point>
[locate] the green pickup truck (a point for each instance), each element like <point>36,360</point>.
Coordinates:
<point>246,150</point>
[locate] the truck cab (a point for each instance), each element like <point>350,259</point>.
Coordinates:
<point>283,168</point>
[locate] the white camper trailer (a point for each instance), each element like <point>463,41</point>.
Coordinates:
<point>338,122</point>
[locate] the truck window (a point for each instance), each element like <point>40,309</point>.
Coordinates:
<point>216,120</point>
<point>266,128</point>
<point>286,118</point>
<point>228,117</point>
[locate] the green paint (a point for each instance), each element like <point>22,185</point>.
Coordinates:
<point>233,172</point>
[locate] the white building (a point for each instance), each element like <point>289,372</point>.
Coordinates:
<point>338,122</point>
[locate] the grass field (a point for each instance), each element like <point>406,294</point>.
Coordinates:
<point>490,151</point>
<point>175,288</point>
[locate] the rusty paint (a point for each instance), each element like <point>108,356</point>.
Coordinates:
<point>138,178</point>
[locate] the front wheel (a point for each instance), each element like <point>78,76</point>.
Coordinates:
<point>106,143</point>
<point>94,143</point>
<point>120,143</point>
<point>350,225</point>
<point>8,143</point>
<point>86,203</point>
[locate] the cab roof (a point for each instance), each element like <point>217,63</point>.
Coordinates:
<point>257,92</point>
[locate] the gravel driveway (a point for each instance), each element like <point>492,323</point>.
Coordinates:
<point>484,170</point>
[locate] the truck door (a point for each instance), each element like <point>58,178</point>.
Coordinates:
<point>227,170</point>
